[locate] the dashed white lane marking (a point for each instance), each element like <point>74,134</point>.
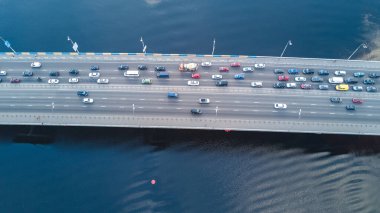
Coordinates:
<point>217,101</point>
<point>256,102</point>
<point>236,110</point>
<point>50,97</point>
<point>67,97</point>
<point>159,107</point>
<point>312,112</point>
<point>140,107</point>
<point>255,110</point>
<point>103,106</point>
<point>123,99</point>
<point>84,106</point>
<point>32,97</point>
<point>178,108</point>
<point>30,105</point>
<point>65,105</point>
<point>48,105</point>
<point>369,114</point>
<point>142,99</point>
<point>180,100</point>
<point>12,105</point>
<point>332,113</point>
<point>274,111</point>
<point>236,101</point>
<point>104,98</point>
<point>313,104</point>
<point>369,106</point>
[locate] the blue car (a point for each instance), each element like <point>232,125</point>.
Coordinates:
<point>323,72</point>
<point>293,71</point>
<point>359,74</point>
<point>172,95</point>
<point>94,67</point>
<point>239,76</point>
<point>82,93</point>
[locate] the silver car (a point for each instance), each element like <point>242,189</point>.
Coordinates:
<point>102,81</point>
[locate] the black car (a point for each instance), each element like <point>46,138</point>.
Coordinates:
<point>368,81</point>
<point>336,100</point>
<point>94,67</point>
<point>323,72</point>
<point>196,111</point>
<point>123,67</point>
<point>142,67</point>
<point>350,81</point>
<point>39,79</point>
<point>73,72</point>
<point>278,71</point>
<point>371,89</point>
<point>279,85</point>
<point>82,93</point>
<point>350,107</point>
<point>222,83</point>
<point>54,73</point>
<point>307,71</point>
<point>160,68</point>
<point>373,75</point>
<point>316,79</point>
<point>27,73</point>
<point>1,80</point>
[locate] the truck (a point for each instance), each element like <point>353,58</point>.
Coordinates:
<point>190,67</point>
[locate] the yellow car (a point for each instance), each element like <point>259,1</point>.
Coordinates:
<point>342,87</point>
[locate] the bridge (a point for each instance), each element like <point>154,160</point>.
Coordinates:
<point>125,102</point>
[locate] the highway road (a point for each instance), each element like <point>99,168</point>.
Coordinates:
<point>125,96</point>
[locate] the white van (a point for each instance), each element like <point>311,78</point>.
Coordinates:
<point>132,73</point>
<point>336,80</point>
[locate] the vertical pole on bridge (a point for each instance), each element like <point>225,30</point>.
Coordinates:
<point>286,46</point>
<point>299,114</point>
<point>216,111</point>
<point>213,47</point>
<point>143,44</point>
<point>133,109</point>
<point>75,45</point>
<point>364,45</point>
<point>8,45</point>
<point>52,106</point>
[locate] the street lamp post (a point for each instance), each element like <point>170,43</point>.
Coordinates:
<point>364,45</point>
<point>216,111</point>
<point>143,44</point>
<point>286,46</point>
<point>8,45</point>
<point>299,113</point>
<point>52,106</point>
<point>213,47</point>
<point>133,109</point>
<point>75,45</point>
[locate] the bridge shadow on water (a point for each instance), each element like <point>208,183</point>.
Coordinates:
<point>161,139</point>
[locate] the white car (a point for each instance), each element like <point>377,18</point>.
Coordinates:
<point>247,69</point>
<point>94,75</point>
<point>73,80</point>
<point>53,81</point>
<point>2,72</point>
<point>280,106</point>
<point>36,64</point>
<point>193,83</point>
<point>299,78</point>
<point>257,84</point>
<point>204,101</point>
<point>340,73</point>
<point>206,64</point>
<point>88,100</point>
<point>259,66</point>
<point>217,77</point>
<point>102,81</point>
<point>291,85</point>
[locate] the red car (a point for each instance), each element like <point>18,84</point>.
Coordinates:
<point>305,86</point>
<point>357,101</point>
<point>196,75</point>
<point>223,69</point>
<point>15,80</point>
<point>283,78</point>
<point>235,64</point>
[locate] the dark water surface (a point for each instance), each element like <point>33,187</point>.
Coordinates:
<point>109,170</point>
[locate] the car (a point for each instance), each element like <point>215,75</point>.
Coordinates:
<point>293,71</point>
<point>27,73</point>
<point>94,75</point>
<point>15,80</point>
<point>193,83</point>
<point>88,100</point>
<point>305,86</point>
<point>350,107</point>
<point>53,81</point>
<point>359,74</point>
<point>142,67</point>
<point>371,89</point>
<point>299,78</point>
<point>308,71</point>
<point>357,101</point>
<point>350,80</point>
<point>357,88</point>
<point>36,64</point>
<point>204,101</point>
<point>3,73</point>
<point>239,76</point>
<point>373,75</point>
<point>279,85</point>
<point>280,106</point>
<point>323,86</point>
<point>54,73</point>
<point>146,81</point>
<point>221,83</point>
<point>368,81</point>
<point>73,80</point>
<point>291,85</point>
<point>283,78</point>
<point>172,95</point>
<point>196,111</point>
<point>336,100</point>
<point>73,72</point>
<point>160,68</point>
<point>94,67</point>
<point>82,93</point>
<point>323,72</point>
<point>316,79</point>
<point>340,73</point>
<point>102,81</point>
<point>257,84</point>
<point>196,75</point>
<point>216,77</point>
<point>278,71</point>
<point>259,66</point>
<point>123,67</point>
<point>342,87</point>
<point>235,64</point>
<point>39,79</point>
<point>206,64</point>
<point>224,69</point>
<point>247,69</point>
